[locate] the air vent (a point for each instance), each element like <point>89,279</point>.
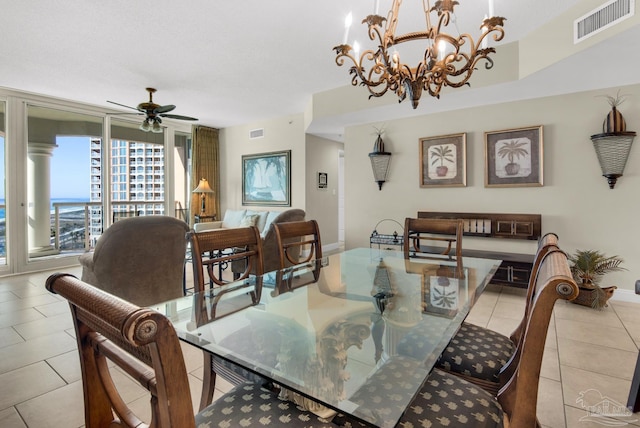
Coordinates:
<point>601,18</point>
<point>256,133</point>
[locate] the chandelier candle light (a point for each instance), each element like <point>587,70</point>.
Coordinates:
<point>448,60</point>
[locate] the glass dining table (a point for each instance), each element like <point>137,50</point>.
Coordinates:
<point>331,331</point>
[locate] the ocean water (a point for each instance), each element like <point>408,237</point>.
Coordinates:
<point>53,200</point>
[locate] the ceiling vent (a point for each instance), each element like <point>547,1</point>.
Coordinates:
<point>601,18</point>
<point>256,133</point>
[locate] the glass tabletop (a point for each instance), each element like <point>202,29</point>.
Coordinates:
<point>330,330</point>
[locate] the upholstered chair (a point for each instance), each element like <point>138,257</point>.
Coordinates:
<point>139,259</point>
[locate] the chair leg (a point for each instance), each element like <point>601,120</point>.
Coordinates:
<point>208,381</point>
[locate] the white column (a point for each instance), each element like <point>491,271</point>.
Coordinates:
<point>39,199</point>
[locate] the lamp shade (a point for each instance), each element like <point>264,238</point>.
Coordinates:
<point>380,162</point>
<point>203,187</point>
<point>613,150</point>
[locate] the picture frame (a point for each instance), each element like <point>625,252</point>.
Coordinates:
<point>514,157</point>
<point>443,161</point>
<point>266,179</point>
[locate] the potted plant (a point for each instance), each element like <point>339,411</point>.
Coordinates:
<point>588,267</point>
<point>512,150</point>
<point>440,154</point>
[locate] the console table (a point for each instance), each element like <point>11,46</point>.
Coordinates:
<point>515,268</point>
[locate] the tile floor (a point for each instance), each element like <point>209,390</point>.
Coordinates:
<point>589,357</point>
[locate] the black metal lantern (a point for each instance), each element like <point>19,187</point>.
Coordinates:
<point>380,162</point>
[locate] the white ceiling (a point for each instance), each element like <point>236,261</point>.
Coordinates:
<point>235,62</point>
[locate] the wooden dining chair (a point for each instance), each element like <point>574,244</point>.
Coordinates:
<point>112,332</point>
<point>298,242</point>
<point>212,252</point>
<point>447,400</point>
<point>484,356</point>
<point>442,236</point>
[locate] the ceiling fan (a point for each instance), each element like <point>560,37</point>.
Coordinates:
<point>154,113</point>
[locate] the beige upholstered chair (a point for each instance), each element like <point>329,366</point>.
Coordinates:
<point>143,343</point>
<point>140,259</point>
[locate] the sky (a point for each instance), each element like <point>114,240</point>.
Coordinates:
<point>70,168</point>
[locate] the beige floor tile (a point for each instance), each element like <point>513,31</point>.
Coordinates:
<point>592,332</point>
<point>9,418</point>
<point>64,405</point>
<point>480,316</point>
<point>57,308</point>
<point>31,351</point>
<point>193,357</point>
<point>8,336</point>
<point>44,326</point>
<point>550,364</point>
<point>11,318</point>
<point>571,311</point>
<point>577,381</point>
<point>6,296</point>
<point>504,326</point>
<point>550,407</point>
<point>509,309</point>
<point>67,365</point>
<point>597,359</point>
<point>27,382</point>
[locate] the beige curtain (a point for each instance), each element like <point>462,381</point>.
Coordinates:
<point>205,163</point>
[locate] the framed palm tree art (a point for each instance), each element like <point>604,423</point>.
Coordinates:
<point>266,179</point>
<point>443,161</point>
<point>514,157</point>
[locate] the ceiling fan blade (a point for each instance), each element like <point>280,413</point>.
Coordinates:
<point>176,116</point>
<point>119,114</point>
<point>122,105</point>
<point>164,109</point>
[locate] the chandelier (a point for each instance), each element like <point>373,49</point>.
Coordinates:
<point>448,60</point>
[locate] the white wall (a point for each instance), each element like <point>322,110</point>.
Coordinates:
<point>322,204</point>
<point>284,133</point>
<point>575,201</point>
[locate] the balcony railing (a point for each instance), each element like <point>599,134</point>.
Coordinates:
<point>76,226</point>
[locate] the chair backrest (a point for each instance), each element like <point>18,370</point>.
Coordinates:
<point>435,232</point>
<point>294,239</point>
<point>140,341</point>
<point>518,397</point>
<point>140,259</point>
<point>215,250</point>
<point>547,243</point>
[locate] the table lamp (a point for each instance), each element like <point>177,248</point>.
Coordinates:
<point>203,187</point>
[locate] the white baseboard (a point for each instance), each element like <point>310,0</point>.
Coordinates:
<point>625,296</point>
<point>330,247</point>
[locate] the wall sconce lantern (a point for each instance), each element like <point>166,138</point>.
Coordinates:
<point>203,187</point>
<point>379,162</point>
<point>614,144</point>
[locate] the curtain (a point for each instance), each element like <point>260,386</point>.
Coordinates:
<point>205,163</point>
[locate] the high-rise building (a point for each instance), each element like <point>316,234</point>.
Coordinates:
<point>136,177</point>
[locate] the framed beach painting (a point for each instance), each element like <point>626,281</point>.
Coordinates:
<point>443,161</point>
<point>514,157</point>
<point>266,179</point>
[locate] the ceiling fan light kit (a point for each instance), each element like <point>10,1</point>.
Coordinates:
<point>154,113</point>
